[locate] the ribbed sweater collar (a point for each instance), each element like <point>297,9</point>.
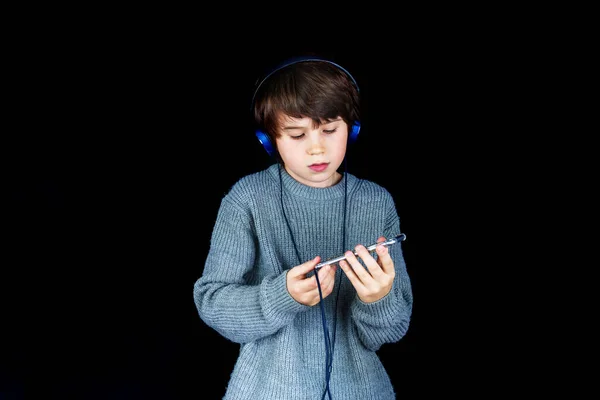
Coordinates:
<point>293,187</point>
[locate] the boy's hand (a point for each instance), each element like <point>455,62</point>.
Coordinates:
<point>305,290</point>
<point>375,281</point>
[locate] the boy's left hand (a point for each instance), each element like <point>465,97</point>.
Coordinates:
<point>375,281</point>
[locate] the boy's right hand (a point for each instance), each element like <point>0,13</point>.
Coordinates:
<point>305,290</point>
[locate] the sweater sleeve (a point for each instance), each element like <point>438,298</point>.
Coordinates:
<point>225,301</point>
<point>386,320</point>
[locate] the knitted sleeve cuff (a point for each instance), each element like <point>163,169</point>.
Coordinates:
<point>382,312</point>
<point>278,302</point>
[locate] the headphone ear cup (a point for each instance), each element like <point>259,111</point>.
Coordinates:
<point>354,132</point>
<point>266,142</point>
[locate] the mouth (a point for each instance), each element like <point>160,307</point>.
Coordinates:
<point>318,167</point>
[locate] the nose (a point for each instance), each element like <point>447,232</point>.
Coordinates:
<point>315,146</point>
<point>314,151</point>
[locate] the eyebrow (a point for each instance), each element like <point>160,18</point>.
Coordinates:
<point>292,127</point>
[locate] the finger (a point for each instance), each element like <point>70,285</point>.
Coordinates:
<point>311,285</point>
<point>357,267</point>
<point>372,270</point>
<point>325,273</point>
<point>380,240</point>
<point>328,280</point>
<point>301,270</point>
<point>351,275</point>
<point>385,260</point>
<point>373,267</point>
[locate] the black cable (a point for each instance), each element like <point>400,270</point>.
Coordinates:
<point>339,283</point>
<point>328,349</point>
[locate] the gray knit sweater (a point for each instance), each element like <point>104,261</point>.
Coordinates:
<point>242,291</point>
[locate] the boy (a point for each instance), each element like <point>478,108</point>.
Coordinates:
<point>306,333</point>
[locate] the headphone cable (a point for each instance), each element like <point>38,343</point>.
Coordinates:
<point>328,348</point>
<point>340,280</point>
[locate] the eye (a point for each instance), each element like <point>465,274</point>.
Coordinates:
<point>297,137</point>
<point>329,131</point>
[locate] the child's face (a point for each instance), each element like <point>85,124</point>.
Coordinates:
<point>312,154</point>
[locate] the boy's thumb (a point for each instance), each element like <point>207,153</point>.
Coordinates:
<point>309,265</point>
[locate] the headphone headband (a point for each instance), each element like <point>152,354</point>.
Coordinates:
<point>297,60</point>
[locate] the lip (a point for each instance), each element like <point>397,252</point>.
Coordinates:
<point>318,167</point>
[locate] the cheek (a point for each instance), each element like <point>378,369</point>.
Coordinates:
<point>284,148</point>
<point>289,153</point>
<point>340,147</point>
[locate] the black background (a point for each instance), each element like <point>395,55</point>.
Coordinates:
<point>123,150</point>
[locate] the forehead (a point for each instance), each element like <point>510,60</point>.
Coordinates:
<point>287,120</point>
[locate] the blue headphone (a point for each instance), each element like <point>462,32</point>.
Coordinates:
<point>263,138</point>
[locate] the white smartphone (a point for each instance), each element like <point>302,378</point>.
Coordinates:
<point>372,247</point>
